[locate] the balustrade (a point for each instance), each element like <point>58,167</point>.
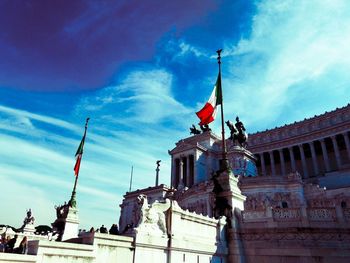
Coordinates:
<point>322,214</point>
<point>286,214</point>
<point>346,213</point>
<point>255,215</point>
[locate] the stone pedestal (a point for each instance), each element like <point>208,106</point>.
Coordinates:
<point>230,190</point>
<point>67,223</point>
<point>242,161</point>
<point>29,229</point>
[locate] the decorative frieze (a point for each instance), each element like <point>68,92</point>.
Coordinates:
<point>297,235</point>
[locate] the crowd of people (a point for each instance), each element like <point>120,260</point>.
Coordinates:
<point>114,230</point>
<point>7,244</point>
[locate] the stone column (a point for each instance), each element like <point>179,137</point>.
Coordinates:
<point>314,159</point>
<point>283,165</point>
<point>272,164</point>
<point>181,174</point>
<point>303,161</point>
<point>262,161</point>
<point>188,178</point>
<point>347,144</point>
<point>195,168</point>
<point>325,155</point>
<point>336,151</point>
<point>173,171</point>
<point>292,159</point>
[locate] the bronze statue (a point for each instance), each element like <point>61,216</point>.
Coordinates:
<point>205,128</point>
<point>194,130</point>
<point>238,132</point>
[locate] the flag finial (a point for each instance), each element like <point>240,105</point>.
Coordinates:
<point>219,55</point>
<point>86,123</point>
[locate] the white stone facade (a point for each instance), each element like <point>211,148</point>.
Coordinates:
<point>277,210</point>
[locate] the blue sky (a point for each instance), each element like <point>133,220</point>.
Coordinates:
<point>140,70</point>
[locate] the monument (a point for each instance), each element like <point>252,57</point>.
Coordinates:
<point>229,200</point>
<point>67,221</point>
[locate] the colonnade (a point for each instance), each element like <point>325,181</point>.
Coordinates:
<point>184,171</point>
<point>309,159</point>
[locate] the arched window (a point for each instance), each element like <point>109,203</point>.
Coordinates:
<point>284,204</point>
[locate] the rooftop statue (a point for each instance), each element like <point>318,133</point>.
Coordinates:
<point>238,132</point>
<point>194,130</point>
<point>29,219</point>
<point>205,128</point>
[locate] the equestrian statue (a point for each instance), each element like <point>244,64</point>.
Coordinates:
<point>238,132</point>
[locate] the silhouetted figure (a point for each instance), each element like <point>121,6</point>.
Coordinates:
<point>3,242</point>
<point>22,248</point>
<point>103,230</point>
<point>114,230</point>
<point>11,244</point>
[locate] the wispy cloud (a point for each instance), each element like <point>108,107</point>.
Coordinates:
<point>42,162</point>
<point>292,46</point>
<point>143,96</point>
<point>24,117</point>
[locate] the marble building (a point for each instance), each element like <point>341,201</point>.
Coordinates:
<point>288,198</point>
<point>318,148</point>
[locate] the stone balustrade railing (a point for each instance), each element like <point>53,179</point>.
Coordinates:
<point>322,214</point>
<point>346,213</point>
<point>286,214</point>
<point>254,215</point>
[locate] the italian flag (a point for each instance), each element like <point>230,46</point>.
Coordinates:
<point>208,113</point>
<point>79,155</point>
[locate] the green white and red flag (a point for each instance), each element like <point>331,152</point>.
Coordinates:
<point>79,153</point>
<point>208,113</point>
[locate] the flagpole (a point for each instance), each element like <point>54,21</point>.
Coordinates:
<point>224,149</point>
<point>72,201</point>
<point>132,171</point>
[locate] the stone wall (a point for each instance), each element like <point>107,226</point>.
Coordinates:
<point>166,233</point>
<point>309,245</point>
<point>88,248</point>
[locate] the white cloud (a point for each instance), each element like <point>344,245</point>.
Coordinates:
<point>186,48</point>
<point>143,96</point>
<point>292,46</point>
<point>40,162</point>
<point>25,116</point>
